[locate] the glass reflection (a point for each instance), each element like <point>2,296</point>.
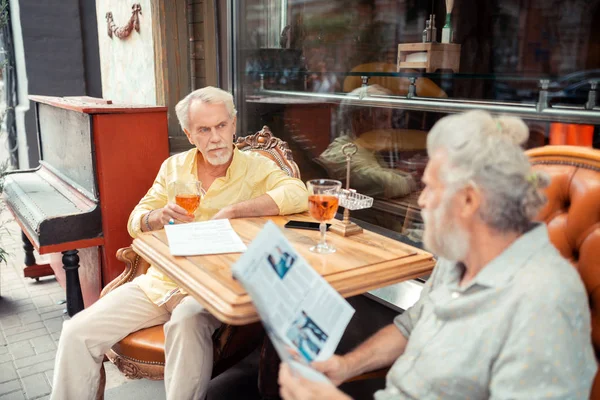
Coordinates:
<point>326,47</point>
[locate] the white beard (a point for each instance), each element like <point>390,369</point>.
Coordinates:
<point>218,159</point>
<point>451,241</point>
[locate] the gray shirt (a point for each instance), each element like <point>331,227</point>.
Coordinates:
<point>519,330</point>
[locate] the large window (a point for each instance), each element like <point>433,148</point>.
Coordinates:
<point>323,73</point>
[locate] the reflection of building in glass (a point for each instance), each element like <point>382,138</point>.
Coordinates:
<point>370,129</point>
<point>507,47</point>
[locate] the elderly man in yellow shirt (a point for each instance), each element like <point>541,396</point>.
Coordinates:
<point>236,184</point>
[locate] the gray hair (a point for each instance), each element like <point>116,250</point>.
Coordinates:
<point>209,95</point>
<point>485,152</point>
<point>348,107</point>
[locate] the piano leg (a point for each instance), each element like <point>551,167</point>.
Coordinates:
<point>32,269</point>
<point>70,261</point>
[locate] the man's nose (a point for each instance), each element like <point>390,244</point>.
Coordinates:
<point>421,200</point>
<point>214,135</point>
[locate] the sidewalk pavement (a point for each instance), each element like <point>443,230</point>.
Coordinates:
<point>30,325</point>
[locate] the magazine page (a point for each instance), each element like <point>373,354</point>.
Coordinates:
<point>288,354</point>
<point>292,299</point>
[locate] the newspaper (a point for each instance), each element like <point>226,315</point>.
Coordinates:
<point>302,314</point>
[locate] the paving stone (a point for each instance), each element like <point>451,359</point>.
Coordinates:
<point>54,307</point>
<point>56,297</point>
<point>22,308</point>
<point>36,385</point>
<point>18,395</point>
<point>24,328</point>
<point>49,376</point>
<point>42,301</point>
<point>54,324</point>
<point>52,314</point>
<point>13,307</point>
<point>43,287</point>
<point>43,344</point>
<point>10,386</point>
<point>28,317</point>
<point>3,349</point>
<point>11,279</point>
<point>5,357</point>
<point>21,349</point>
<point>19,294</point>
<point>26,335</point>
<point>35,368</point>
<point>7,372</point>
<point>14,292</point>
<point>55,336</point>
<point>10,321</point>
<point>38,358</point>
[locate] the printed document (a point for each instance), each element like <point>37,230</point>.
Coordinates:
<point>200,238</point>
<point>302,314</point>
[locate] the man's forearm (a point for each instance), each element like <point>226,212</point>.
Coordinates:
<point>380,350</point>
<point>260,206</point>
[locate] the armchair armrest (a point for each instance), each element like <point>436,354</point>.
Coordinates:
<point>134,267</point>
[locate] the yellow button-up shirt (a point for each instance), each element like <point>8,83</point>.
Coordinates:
<point>250,175</point>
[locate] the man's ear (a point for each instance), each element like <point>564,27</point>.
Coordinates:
<point>471,199</point>
<point>189,136</point>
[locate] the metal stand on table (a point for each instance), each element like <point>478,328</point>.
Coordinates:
<point>349,199</point>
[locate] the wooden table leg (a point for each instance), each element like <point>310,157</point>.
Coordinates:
<point>268,370</point>
<point>70,261</point>
<point>32,269</point>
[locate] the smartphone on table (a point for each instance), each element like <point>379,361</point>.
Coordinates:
<point>313,226</point>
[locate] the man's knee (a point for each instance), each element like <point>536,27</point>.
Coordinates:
<point>82,325</point>
<point>198,323</point>
<point>73,330</point>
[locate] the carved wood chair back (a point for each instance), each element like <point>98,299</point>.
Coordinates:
<point>272,147</point>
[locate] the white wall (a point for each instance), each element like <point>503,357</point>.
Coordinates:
<point>22,99</point>
<point>127,65</point>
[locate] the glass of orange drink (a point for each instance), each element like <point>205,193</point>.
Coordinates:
<point>188,195</point>
<point>322,205</point>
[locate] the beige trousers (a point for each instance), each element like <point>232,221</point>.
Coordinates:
<point>92,332</point>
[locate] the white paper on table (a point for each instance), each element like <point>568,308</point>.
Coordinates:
<point>201,238</point>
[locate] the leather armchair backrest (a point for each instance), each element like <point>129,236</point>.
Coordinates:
<point>573,217</point>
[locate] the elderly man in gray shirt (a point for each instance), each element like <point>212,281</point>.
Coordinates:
<point>503,315</point>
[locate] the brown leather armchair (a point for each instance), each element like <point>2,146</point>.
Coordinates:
<point>573,218</point>
<point>142,354</point>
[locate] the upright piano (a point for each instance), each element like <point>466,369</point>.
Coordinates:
<point>97,160</point>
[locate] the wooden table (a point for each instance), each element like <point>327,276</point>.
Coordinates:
<point>361,263</point>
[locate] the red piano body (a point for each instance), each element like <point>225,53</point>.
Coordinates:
<point>97,160</point>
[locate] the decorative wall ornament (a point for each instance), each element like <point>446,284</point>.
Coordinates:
<point>124,31</point>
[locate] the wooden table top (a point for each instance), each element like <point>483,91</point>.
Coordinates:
<point>361,263</point>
